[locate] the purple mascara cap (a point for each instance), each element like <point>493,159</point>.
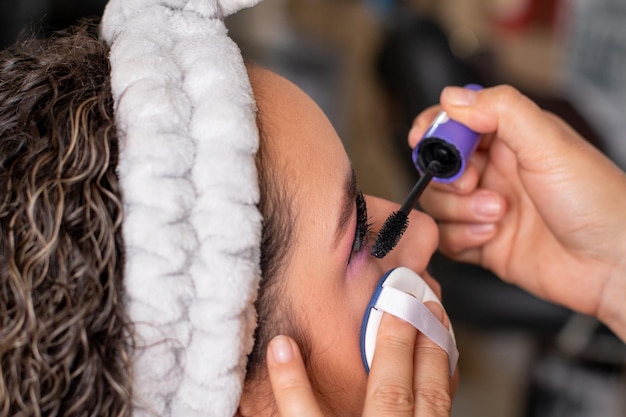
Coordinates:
<point>448,142</point>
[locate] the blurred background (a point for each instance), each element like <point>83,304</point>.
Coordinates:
<point>373,65</point>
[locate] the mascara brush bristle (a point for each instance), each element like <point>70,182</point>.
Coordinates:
<point>390,234</point>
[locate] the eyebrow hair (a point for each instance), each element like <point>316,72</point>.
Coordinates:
<point>348,203</point>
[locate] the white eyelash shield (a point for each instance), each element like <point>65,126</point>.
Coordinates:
<point>402,293</point>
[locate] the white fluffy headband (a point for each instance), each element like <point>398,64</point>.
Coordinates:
<point>185,115</point>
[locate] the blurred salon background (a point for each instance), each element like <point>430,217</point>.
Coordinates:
<point>373,65</point>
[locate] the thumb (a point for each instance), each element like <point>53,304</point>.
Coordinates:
<point>550,155</point>
<point>536,137</point>
<point>290,382</point>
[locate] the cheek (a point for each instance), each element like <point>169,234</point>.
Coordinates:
<point>331,316</point>
<point>339,374</point>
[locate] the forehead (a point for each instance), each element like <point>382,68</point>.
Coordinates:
<point>301,141</point>
<point>310,164</point>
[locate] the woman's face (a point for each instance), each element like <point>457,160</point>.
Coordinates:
<point>330,275</point>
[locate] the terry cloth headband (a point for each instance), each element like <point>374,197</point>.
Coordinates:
<point>185,115</point>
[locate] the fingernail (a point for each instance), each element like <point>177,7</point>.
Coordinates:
<point>481,229</point>
<point>281,349</point>
<point>486,205</point>
<point>458,96</point>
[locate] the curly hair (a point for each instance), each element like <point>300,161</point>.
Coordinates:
<point>65,340</point>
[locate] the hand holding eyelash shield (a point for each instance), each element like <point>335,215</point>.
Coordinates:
<point>402,293</point>
<point>409,375</point>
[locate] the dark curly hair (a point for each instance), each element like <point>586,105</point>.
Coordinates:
<point>65,341</point>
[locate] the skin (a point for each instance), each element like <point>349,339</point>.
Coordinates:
<point>538,205</point>
<point>328,291</point>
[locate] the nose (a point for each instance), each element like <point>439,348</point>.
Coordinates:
<point>418,243</point>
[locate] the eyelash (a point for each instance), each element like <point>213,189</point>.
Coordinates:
<point>363,232</point>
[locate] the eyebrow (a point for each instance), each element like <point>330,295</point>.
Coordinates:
<point>348,204</point>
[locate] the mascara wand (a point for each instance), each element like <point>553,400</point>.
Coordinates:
<point>442,156</point>
<point>396,224</point>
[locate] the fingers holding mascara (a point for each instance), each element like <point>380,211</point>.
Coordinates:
<point>481,206</point>
<point>467,214</point>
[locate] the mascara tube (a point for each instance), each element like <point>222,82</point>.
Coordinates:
<point>449,143</point>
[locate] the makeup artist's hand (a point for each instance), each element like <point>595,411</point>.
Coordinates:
<point>393,389</point>
<point>538,205</point>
